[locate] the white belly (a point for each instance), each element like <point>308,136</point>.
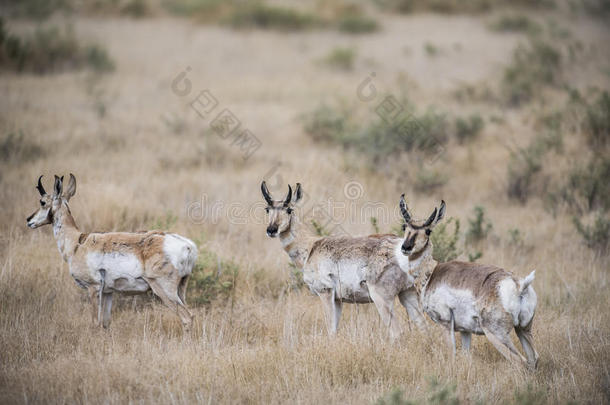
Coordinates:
<point>439,303</point>
<point>346,278</point>
<point>123,271</point>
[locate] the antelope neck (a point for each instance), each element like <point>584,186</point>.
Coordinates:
<point>66,232</point>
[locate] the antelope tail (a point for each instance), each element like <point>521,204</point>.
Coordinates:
<point>525,282</point>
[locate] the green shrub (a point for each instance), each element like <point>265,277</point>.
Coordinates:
<point>597,235</point>
<point>357,24</point>
<point>429,181</point>
<point>341,58</point>
<point>259,15</point>
<point>136,8</point>
<point>597,121</point>
<point>50,50</point>
<point>516,23</point>
<point>16,148</point>
<point>35,9</point>
<point>431,49</point>
<point>587,187</point>
<point>327,124</point>
<point>445,242</point>
<point>478,226</point>
<point>523,166</point>
<point>534,64</point>
<point>468,128</point>
<point>212,279</point>
<point>379,139</point>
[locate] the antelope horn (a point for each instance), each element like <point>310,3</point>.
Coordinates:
<point>288,197</point>
<point>404,210</point>
<point>40,188</point>
<point>266,194</point>
<point>430,219</point>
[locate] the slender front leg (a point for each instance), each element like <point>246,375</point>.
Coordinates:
<point>385,307</point>
<point>94,306</point>
<point>107,309</point>
<point>466,337</point>
<point>451,331</point>
<point>527,341</point>
<point>332,311</point>
<point>409,300</point>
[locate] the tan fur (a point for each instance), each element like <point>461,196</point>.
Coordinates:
<point>347,269</point>
<point>465,297</point>
<point>147,248</point>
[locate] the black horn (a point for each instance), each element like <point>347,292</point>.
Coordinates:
<point>288,197</point>
<point>430,219</point>
<point>40,188</point>
<point>403,209</point>
<point>266,194</point>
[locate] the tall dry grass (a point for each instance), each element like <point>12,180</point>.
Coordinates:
<point>267,342</point>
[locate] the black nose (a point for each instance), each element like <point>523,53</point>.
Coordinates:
<point>407,247</point>
<point>272,230</point>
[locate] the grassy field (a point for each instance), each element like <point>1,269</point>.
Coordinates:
<point>520,126</point>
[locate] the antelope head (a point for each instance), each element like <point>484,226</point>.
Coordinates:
<point>280,212</point>
<point>417,233</point>
<point>50,204</point>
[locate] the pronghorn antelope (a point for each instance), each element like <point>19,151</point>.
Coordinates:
<point>344,269</point>
<point>469,297</point>
<point>104,263</point>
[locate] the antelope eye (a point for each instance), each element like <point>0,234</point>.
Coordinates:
<point>428,231</point>
<point>42,203</point>
<point>404,227</point>
<point>289,210</point>
<point>267,210</point>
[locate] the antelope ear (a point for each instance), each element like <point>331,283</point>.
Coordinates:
<point>71,188</point>
<point>58,187</point>
<point>299,193</point>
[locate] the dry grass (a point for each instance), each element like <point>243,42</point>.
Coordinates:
<point>267,343</point>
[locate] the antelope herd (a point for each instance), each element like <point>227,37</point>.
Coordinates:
<point>460,296</point>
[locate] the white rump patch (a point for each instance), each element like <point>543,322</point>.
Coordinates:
<point>181,252</point>
<point>508,291</point>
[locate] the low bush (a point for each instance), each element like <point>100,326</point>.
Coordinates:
<point>15,147</point>
<point>50,50</point>
<point>478,226</point>
<point>379,139</point>
<point>534,64</point>
<point>468,128</point>
<point>445,242</point>
<point>586,187</point>
<point>516,23</point>
<point>341,58</point>
<point>327,124</point>
<point>429,181</point>
<point>357,24</point>
<point>260,15</point>
<point>597,235</point>
<point>212,279</point>
<point>597,121</point>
